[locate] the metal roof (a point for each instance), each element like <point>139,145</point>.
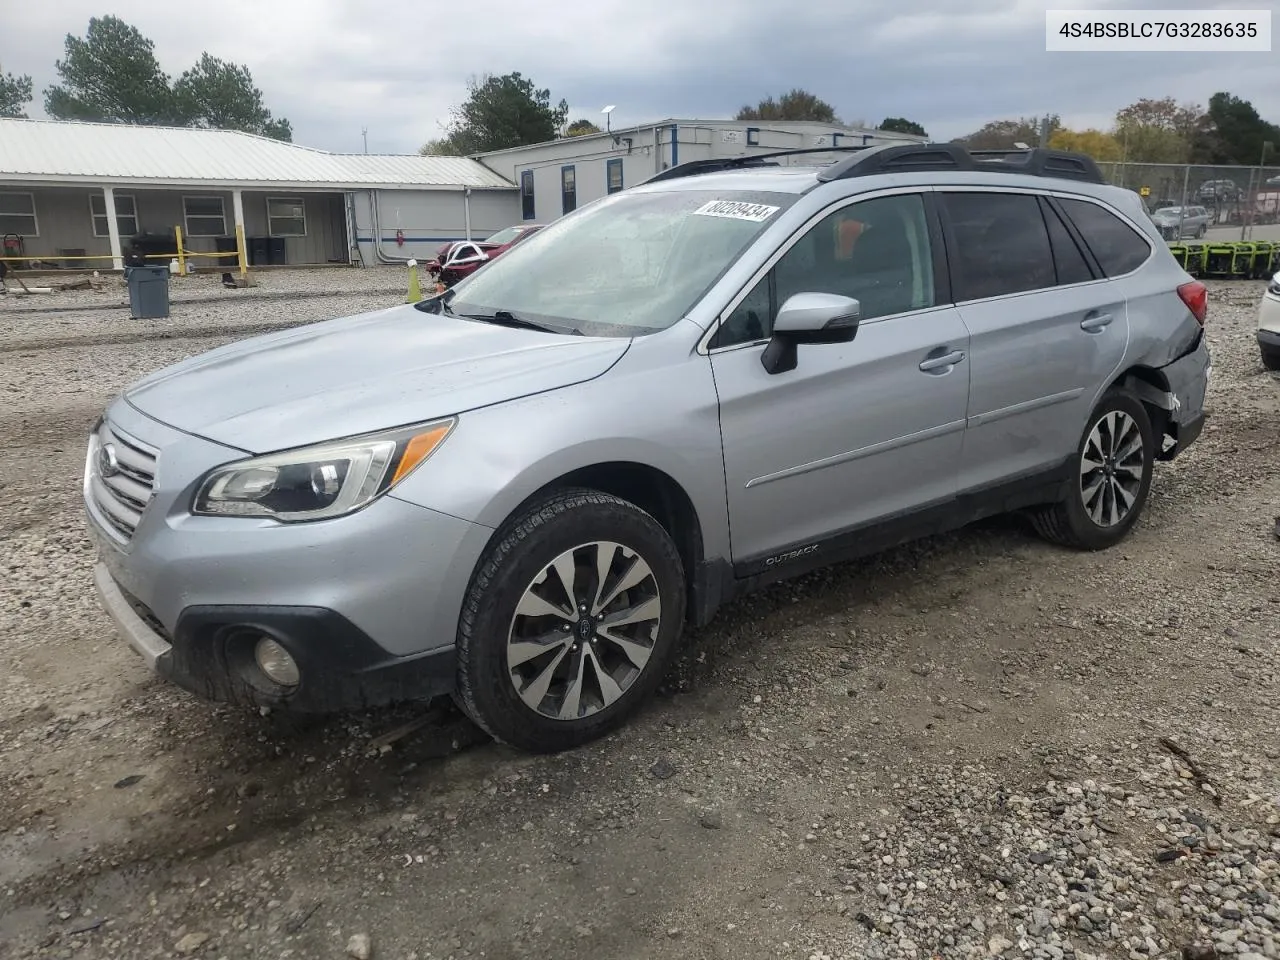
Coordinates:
<point>59,151</point>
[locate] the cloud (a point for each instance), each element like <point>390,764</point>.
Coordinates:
<point>334,67</point>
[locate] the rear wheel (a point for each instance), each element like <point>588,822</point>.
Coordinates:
<point>570,621</point>
<point>1114,463</point>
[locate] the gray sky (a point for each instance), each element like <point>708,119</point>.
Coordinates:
<point>334,66</point>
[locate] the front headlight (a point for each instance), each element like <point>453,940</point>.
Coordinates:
<point>315,483</point>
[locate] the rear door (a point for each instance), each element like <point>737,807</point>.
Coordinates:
<point>1045,328</point>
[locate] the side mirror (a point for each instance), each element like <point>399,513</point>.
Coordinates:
<point>809,318</point>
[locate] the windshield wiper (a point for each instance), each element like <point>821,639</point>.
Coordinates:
<point>505,318</point>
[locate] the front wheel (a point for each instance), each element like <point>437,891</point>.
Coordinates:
<point>570,621</point>
<point>1271,359</point>
<point>1110,478</point>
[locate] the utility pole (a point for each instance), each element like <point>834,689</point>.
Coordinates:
<point>1044,132</point>
<point>364,132</point>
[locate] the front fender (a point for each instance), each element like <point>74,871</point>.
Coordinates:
<point>664,417</point>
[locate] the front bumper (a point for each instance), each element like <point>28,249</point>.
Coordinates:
<point>1269,340</point>
<point>367,604</point>
<point>211,654</point>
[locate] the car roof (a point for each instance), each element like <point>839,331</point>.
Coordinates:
<point>802,179</point>
<point>790,179</point>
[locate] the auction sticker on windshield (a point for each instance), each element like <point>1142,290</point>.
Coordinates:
<point>737,210</point>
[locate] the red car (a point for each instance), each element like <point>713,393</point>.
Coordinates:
<point>458,258</point>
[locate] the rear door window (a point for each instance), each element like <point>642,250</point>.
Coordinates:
<point>1117,247</point>
<point>1001,244</point>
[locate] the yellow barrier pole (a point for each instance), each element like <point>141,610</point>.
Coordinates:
<point>415,287</point>
<point>182,257</point>
<point>244,269</point>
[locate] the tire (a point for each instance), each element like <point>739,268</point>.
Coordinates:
<point>521,702</point>
<point>1271,359</point>
<point>1084,520</point>
<point>1203,230</point>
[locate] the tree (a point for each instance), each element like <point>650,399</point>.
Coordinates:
<point>795,104</point>
<point>501,112</point>
<point>221,96</point>
<point>580,128</point>
<point>1232,131</point>
<point>1100,146</point>
<point>112,74</point>
<point>1157,131</point>
<point>1004,134</point>
<point>440,147</point>
<point>902,125</point>
<point>15,93</point>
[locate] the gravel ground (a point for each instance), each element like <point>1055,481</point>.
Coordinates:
<point>978,745</point>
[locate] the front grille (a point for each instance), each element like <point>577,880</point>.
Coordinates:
<point>120,476</point>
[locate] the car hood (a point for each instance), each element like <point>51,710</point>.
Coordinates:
<point>360,374</point>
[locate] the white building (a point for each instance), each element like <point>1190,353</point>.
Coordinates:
<point>558,176</point>
<point>295,205</point>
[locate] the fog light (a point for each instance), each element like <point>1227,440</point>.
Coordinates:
<point>275,662</point>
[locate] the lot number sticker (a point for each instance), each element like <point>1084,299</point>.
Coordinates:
<point>737,210</point>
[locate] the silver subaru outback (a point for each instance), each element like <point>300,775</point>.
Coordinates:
<point>520,492</point>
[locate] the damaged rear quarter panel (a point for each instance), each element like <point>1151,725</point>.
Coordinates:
<point>1165,337</point>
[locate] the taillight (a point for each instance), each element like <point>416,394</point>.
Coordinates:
<point>1196,296</point>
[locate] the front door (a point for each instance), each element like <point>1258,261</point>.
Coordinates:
<point>859,431</point>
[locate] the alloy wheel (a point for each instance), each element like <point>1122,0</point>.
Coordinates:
<point>1111,468</point>
<point>584,630</point>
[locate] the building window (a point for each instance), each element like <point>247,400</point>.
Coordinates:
<point>753,136</point>
<point>614,174</point>
<point>526,194</point>
<point>286,217</point>
<point>568,189</point>
<point>18,214</point>
<point>126,214</point>
<point>204,216</point>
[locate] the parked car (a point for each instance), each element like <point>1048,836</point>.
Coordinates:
<point>522,490</point>
<point>1218,191</point>
<point>459,258</point>
<point>1269,325</point>
<point>1178,222</point>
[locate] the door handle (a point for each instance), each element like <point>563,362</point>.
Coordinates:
<point>947,360</point>
<point>1095,322</point>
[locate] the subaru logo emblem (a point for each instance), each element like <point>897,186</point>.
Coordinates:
<point>108,465</point>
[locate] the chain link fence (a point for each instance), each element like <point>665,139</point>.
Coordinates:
<point>1190,201</point>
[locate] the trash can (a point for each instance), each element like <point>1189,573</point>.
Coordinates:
<point>148,291</point>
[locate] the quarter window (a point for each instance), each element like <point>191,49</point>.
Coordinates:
<point>876,251</point>
<point>1002,245</point>
<point>1118,247</point>
<point>126,215</point>
<point>204,216</point>
<point>18,214</point>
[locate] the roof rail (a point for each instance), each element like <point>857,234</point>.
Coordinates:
<point>897,158</point>
<point>715,165</point>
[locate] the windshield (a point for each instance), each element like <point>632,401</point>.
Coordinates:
<point>629,264</point>
<point>505,236</point>
<point>1170,212</point>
